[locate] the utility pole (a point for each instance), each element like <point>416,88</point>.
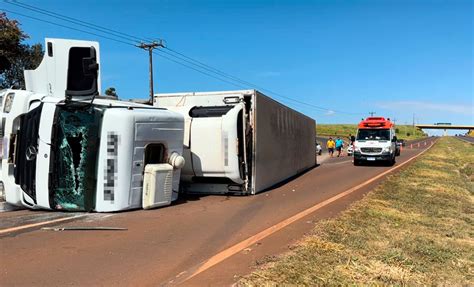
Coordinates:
<point>150,47</point>
<point>372,113</point>
<point>413,124</point>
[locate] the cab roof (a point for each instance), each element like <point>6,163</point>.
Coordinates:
<point>376,122</point>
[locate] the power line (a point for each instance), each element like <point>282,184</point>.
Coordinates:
<point>76,21</point>
<point>236,79</point>
<point>211,71</point>
<point>207,67</point>
<point>205,73</point>
<point>182,58</point>
<point>68,27</point>
<point>123,42</point>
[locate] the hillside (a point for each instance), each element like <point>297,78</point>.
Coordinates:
<point>343,130</point>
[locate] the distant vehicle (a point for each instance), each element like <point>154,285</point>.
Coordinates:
<point>402,142</point>
<point>398,148</point>
<point>350,150</point>
<point>375,141</point>
<point>319,149</point>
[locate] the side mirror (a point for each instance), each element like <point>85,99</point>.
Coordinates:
<point>394,139</point>
<point>90,66</point>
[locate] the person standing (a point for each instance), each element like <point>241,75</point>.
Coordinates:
<point>351,139</point>
<point>339,144</point>
<point>330,144</point>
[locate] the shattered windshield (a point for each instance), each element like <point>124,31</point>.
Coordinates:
<point>75,146</point>
<point>373,134</point>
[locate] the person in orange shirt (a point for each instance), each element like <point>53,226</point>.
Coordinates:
<point>330,144</point>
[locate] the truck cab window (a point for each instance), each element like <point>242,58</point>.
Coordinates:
<point>82,72</point>
<point>209,112</point>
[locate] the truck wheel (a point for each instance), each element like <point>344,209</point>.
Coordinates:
<point>356,162</point>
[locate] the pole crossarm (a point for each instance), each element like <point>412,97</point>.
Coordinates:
<point>152,45</point>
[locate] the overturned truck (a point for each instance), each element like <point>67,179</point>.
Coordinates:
<point>240,142</point>
<point>67,148</point>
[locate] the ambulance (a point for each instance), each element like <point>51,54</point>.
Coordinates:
<point>376,141</point>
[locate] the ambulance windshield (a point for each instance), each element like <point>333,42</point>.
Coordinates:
<point>373,134</point>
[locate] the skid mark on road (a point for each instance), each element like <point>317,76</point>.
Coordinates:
<point>37,224</point>
<point>88,217</point>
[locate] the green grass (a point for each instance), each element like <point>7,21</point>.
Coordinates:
<point>343,130</point>
<point>416,228</point>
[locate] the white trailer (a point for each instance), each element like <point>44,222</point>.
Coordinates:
<point>240,141</point>
<point>67,148</point>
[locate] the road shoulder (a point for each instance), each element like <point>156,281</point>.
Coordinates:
<point>411,230</point>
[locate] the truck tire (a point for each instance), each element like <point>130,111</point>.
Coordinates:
<point>356,162</point>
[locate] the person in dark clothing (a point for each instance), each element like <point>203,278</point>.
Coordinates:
<point>351,139</point>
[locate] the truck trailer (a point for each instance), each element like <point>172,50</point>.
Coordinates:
<point>240,142</point>
<point>65,147</point>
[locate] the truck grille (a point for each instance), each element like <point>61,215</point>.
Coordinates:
<point>371,149</point>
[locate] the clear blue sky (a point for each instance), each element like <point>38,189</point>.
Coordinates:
<point>392,57</point>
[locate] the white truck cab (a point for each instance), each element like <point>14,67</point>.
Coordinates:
<point>375,141</point>
<point>67,148</point>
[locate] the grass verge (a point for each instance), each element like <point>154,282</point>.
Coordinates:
<point>343,130</point>
<point>416,228</point>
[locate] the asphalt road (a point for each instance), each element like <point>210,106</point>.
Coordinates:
<point>322,141</point>
<point>468,139</point>
<point>165,246</point>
